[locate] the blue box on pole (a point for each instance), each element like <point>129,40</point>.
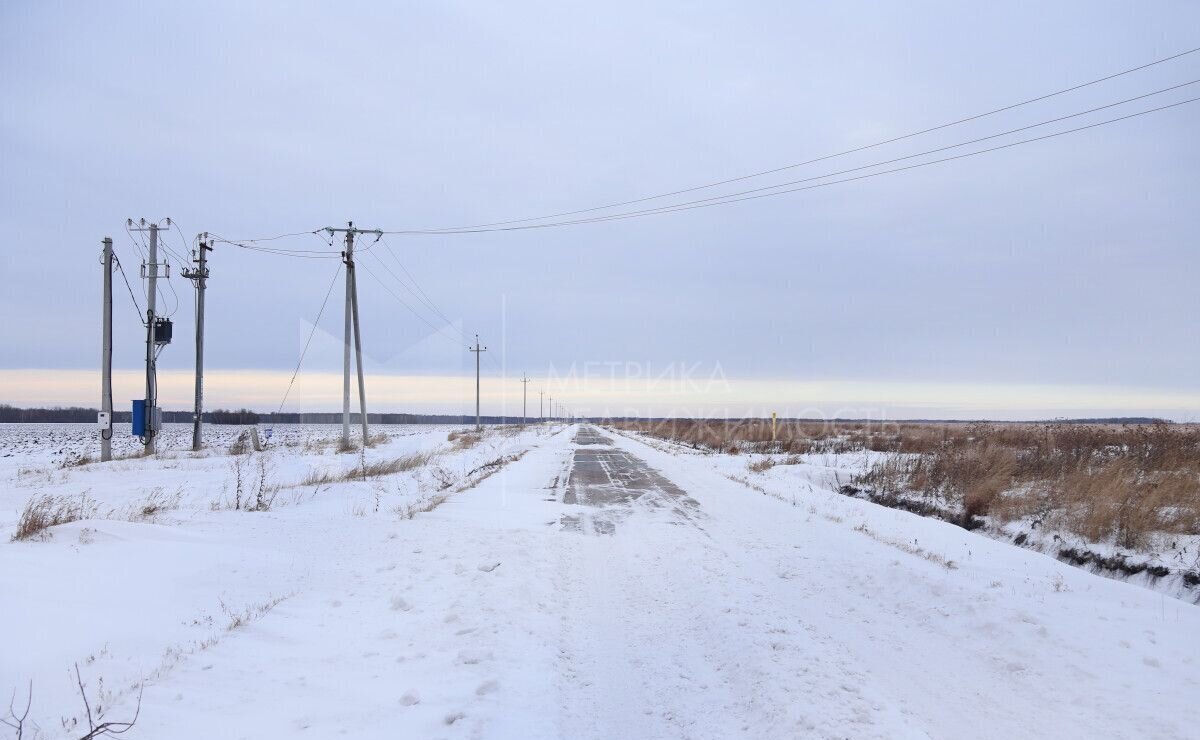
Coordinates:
<point>139,417</point>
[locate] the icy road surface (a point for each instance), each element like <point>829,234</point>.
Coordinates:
<point>598,587</point>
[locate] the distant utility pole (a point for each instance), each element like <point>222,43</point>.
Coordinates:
<point>199,277</point>
<point>352,324</point>
<point>477,349</point>
<point>550,406</point>
<point>541,411</point>
<point>524,395</point>
<point>105,418</point>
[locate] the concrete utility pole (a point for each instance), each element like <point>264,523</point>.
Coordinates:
<point>352,325</point>
<point>541,411</point>
<point>362,389</point>
<point>477,349</point>
<point>524,395</point>
<point>151,367</point>
<point>348,260</point>
<point>199,276</point>
<point>150,272</point>
<point>158,334</point>
<point>105,419</point>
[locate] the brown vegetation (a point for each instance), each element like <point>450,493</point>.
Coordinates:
<point>464,440</point>
<point>45,511</point>
<point>754,435</point>
<point>364,470</point>
<point>1099,481</point>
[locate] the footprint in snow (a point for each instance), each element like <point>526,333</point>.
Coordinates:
<point>454,717</point>
<point>489,567</point>
<point>400,604</point>
<point>472,657</point>
<point>410,698</point>
<point>487,687</point>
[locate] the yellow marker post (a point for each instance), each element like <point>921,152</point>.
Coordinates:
<point>772,426</point>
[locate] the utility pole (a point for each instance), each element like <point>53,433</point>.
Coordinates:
<point>105,418</point>
<point>524,395</point>
<point>199,277</point>
<point>352,325</point>
<point>348,260</point>
<point>541,411</point>
<point>158,333</point>
<point>362,390</point>
<point>551,407</point>
<point>151,360</point>
<point>477,349</point>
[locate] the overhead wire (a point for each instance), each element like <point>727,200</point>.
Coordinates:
<point>437,330</point>
<point>843,153</point>
<point>523,223</point>
<point>136,305</point>
<point>428,301</point>
<point>419,296</point>
<point>254,245</point>
<point>755,194</point>
<point>936,150</point>
<point>308,341</point>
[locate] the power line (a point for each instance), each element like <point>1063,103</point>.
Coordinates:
<point>418,293</point>
<point>522,224</point>
<point>854,150</point>
<point>253,245</point>
<point>921,154</point>
<point>139,243</point>
<point>743,196</point>
<point>136,305</point>
<point>311,332</point>
<point>401,301</point>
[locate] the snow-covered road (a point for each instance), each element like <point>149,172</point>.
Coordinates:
<point>599,587</point>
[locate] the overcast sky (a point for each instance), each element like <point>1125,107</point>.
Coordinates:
<point>1057,278</point>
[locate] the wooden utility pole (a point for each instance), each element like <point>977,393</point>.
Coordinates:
<point>477,349</point>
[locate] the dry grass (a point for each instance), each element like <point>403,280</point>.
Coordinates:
<point>378,468</point>
<point>735,436</point>
<point>1103,482</point>
<point>760,465</point>
<point>364,470</point>
<point>156,502</point>
<point>464,440</point>
<point>46,511</point>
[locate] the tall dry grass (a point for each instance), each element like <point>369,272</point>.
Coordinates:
<point>1103,482</point>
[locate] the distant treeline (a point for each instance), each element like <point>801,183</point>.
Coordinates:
<point>12,414</point>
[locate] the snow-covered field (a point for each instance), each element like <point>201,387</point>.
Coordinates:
<point>544,584</point>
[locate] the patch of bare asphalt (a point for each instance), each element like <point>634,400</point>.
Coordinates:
<point>617,484</point>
